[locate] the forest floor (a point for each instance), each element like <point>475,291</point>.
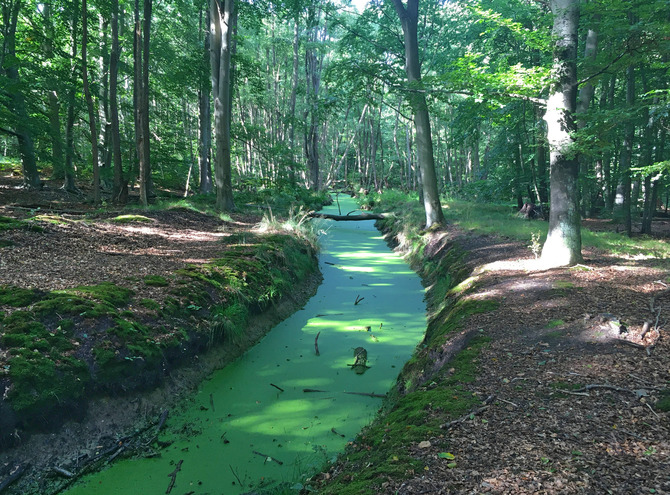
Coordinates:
<point>573,382</point>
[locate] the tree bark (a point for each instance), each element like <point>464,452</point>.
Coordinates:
<point>146,142</point>
<point>205,142</point>
<point>409,17</point>
<point>222,24</point>
<point>118,194</point>
<point>68,180</point>
<point>89,103</point>
<point>313,75</point>
<point>17,103</point>
<point>564,242</point>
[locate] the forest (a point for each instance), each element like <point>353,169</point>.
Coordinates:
<point>162,169</point>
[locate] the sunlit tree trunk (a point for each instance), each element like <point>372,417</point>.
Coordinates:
<point>313,75</point>
<point>89,103</point>
<point>431,200</point>
<point>564,241</point>
<point>222,24</point>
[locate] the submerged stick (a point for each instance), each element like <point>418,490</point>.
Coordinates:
<point>211,401</point>
<point>268,457</point>
<point>316,344</point>
<point>358,299</point>
<point>173,475</point>
<point>379,396</point>
<point>236,476</point>
<point>306,390</point>
<point>277,387</point>
<point>337,432</point>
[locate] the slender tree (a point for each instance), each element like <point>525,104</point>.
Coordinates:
<point>118,194</point>
<point>222,18</point>
<point>89,103</point>
<point>564,242</point>
<point>409,16</point>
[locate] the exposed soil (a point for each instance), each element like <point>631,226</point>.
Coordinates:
<point>568,383</point>
<point>73,253</point>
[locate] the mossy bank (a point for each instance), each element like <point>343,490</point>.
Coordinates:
<point>59,348</point>
<point>430,386</point>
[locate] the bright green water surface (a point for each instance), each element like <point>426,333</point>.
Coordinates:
<point>299,429</point>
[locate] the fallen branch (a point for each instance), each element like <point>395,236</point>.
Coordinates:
<point>603,386</point>
<point>340,218</point>
<point>630,343</point>
<point>379,396</point>
<point>173,475</point>
<point>13,476</point>
<point>307,390</point>
<point>337,432</point>
<point>62,472</point>
<point>236,476</point>
<point>316,344</point>
<point>268,457</point>
<point>476,412</point>
<point>277,387</point>
<point>358,299</point>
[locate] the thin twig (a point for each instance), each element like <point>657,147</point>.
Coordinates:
<point>652,410</point>
<point>476,412</point>
<point>604,386</point>
<point>316,344</point>
<point>277,387</point>
<point>507,402</point>
<point>236,476</point>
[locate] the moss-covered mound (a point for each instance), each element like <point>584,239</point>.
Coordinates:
<point>58,347</point>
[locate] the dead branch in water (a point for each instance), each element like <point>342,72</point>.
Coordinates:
<point>362,216</point>
<point>379,396</point>
<point>173,475</point>
<point>316,344</point>
<point>268,457</point>
<point>277,387</point>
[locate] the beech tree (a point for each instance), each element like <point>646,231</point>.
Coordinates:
<point>564,242</point>
<point>222,17</point>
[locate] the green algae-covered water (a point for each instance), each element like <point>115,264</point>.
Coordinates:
<point>241,433</point>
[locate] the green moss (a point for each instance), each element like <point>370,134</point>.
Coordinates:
<point>4,243</point>
<point>663,403</point>
<point>7,223</point>
<point>554,324</point>
<point>105,292</point>
<point>149,304</point>
<point>131,218</point>
<point>39,383</point>
<point>16,296</point>
<point>156,281</point>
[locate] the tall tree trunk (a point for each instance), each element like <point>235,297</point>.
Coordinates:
<point>205,142</point>
<point>144,107</point>
<point>622,202</point>
<point>564,241</point>
<point>120,189</point>
<point>294,93</point>
<point>68,180</point>
<point>137,102</point>
<point>89,103</point>
<point>222,14</point>
<point>409,17</point>
<point>17,103</point>
<point>313,74</point>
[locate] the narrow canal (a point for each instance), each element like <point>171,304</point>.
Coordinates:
<point>241,433</point>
